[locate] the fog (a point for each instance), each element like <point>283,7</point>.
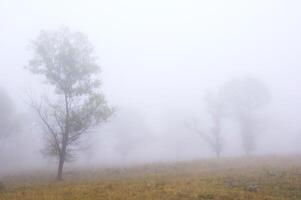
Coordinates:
<point>158,60</point>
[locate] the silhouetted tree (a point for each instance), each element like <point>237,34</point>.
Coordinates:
<point>243,98</point>
<point>215,110</point>
<point>9,120</point>
<point>66,61</point>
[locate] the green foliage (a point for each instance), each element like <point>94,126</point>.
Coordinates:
<point>66,61</point>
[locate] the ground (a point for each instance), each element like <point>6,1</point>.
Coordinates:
<point>260,178</point>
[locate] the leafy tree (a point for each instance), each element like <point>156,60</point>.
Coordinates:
<point>244,97</point>
<point>66,61</point>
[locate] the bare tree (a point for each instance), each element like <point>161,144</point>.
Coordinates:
<point>244,97</point>
<point>9,120</point>
<point>66,60</point>
<point>215,110</point>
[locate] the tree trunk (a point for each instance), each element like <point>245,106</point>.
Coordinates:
<point>62,156</point>
<point>60,168</point>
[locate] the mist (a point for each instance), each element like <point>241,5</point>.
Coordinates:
<point>158,60</point>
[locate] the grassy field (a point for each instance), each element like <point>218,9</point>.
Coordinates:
<point>266,178</point>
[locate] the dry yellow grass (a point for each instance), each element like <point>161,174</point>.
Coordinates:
<point>260,178</point>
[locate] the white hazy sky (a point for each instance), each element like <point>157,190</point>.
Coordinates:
<point>158,57</point>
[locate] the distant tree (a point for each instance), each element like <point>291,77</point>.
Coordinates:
<point>9,120</point>
<point>215,110</point>
<point>244,97</point>
<point>66,60</point>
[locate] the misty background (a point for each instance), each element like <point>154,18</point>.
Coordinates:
<point>158,59</point>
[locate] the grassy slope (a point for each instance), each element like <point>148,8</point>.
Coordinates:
<point>268,178</point>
